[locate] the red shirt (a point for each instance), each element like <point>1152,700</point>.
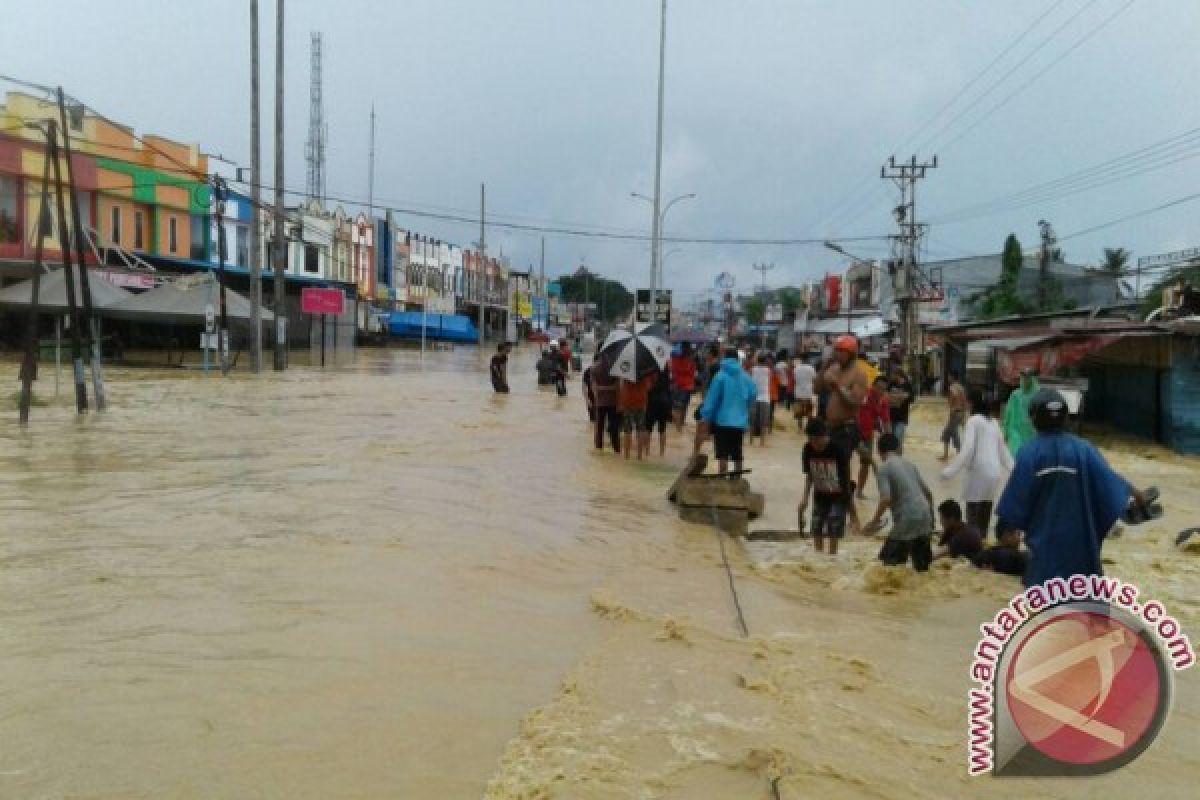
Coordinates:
<point>683,373</point>
<point>635,396</point>
<point>873,413</point>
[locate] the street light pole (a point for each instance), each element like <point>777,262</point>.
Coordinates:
<point>656,231</point>
<point>656,245</point>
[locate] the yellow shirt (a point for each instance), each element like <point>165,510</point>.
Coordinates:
<point>872,372</point>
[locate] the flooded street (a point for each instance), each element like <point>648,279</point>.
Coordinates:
<point>381,580</point>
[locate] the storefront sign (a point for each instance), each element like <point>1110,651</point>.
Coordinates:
<point>126,280</point>
<point>663,302</point>
<point>322,301</point>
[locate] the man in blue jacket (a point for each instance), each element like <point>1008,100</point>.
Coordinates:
<point>726,412</point>
<point>1063,494</point>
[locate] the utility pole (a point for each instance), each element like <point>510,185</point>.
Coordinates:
<point>29,364</point>
<point>89,320</point>
<point>255,201</point>
<point>1048,242</point>
<point>219,196</point>
<point>370,217</point>
<point>371,169</point>
<point>763,269</point>
<point>64,240</point>
<point>482,259</point>
<point>545,306</point>
<point>280,233</point>
<point>905,278</point>
<point>656,230</point>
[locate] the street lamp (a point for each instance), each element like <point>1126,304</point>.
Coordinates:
<point>656,244</point>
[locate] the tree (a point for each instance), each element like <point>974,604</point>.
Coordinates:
<point>755,310</point>
<point>1116,262</point>
<point>613,301</point>
<point>1004,299</point>
<point>790,299</point>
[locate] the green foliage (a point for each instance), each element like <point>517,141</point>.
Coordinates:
<point>1115,260</point>
<point>1004,299</point>
<point>1012,257</point>
<point>611,297</point>
<point>790,299</point>
<point>755,310</point>
<point>1115,265</point>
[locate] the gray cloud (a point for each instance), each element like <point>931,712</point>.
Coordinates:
<point>776,110</point>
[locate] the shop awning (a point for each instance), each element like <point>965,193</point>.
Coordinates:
<point>862,327</point>
<point>184,301</point>
<point>1046,355</point>
<point>52,292</point>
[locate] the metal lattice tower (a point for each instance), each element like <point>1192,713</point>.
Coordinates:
<point>318,131</point>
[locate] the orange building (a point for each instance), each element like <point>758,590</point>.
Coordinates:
<point>146,195</point>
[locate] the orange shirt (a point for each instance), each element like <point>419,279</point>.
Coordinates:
<point>635,396</point>
<point>774,386</point>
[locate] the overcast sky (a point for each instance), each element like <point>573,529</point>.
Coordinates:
<point>779,113</point>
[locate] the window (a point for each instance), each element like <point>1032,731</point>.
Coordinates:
<point>137,230</point>
<point>84,199</point>
<point>114,232</point>
<point>199,250</point>
<point>242,246</point>
<point>9,208</point>
<point>172,235</point>
<point>311,258</point>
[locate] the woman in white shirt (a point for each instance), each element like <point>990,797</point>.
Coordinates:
<point>986,460</point>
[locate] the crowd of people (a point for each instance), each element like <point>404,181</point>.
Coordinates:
<point>1028,478</point>
<point>1022,476</point>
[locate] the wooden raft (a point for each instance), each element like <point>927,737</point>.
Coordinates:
<point>702,497</point>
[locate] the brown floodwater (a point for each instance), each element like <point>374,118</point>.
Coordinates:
<point>380,580</point>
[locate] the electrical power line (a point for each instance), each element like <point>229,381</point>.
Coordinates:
<point>1152,157</point>
<point>1135,215</point>
<point>1078,43</point>
<point>853,200</point>
<point>1012,70</point>
<point>862,204</point>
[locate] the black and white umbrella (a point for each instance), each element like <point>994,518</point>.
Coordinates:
<point>634,354</point>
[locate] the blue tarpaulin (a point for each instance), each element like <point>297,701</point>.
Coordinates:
<point>444,327</point>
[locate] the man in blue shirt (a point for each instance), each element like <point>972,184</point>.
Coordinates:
<point>726,411</point>
<point>1063,494</point>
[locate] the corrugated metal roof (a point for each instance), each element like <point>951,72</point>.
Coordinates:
<point>52,292</point>
<point>184,301</point>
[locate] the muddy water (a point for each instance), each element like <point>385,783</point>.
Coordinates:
<point>379,580</point>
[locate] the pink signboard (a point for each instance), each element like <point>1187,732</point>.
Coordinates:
<point>126,279</point>
<point>322,301</point>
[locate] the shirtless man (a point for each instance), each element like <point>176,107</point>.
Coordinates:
<point>845,381</point>
<point>956,399</point>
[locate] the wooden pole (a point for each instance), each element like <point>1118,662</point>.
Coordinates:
<point>29,366</point>
<point>64,238</point>
<point>88,320</point>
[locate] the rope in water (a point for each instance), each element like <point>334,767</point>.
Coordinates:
<point>737,603</point>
